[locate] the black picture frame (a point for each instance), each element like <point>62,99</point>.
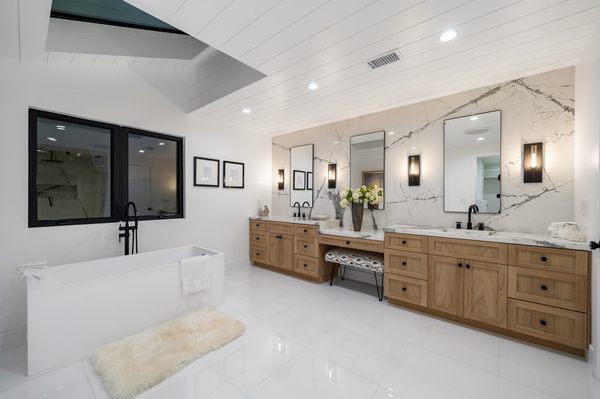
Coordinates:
<point>225,164</point>
<point>218,164</point>
<point>296,180</point>
<point>309,180</point>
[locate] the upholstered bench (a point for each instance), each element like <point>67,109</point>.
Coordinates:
<point>360,260</point>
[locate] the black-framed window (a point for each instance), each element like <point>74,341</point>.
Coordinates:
<point>83,171</point>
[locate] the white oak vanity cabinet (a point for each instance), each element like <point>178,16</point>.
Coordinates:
<point>534,293</point>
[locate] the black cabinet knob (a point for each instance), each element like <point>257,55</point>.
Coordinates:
<point>306,246</point>
<point>257,238</point>
<point>403,263</point>
<point>543,322</point>
<point>257,225</point>
<point>544,287</point>
<point>403,288</point>
<point>403,242</point>
<point>468,266</point>
<point>306,231</point>
<point>544,259</point>
<point>305,265</point>
<point>459,264</point>
<point>347,242</point>
<point>257,254</point>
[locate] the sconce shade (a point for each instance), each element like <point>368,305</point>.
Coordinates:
<point>332,175</point>
<point>533,162</point>
<point>280,179</point>
<point>414,170</point>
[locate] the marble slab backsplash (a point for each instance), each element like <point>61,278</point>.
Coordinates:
<point>535,108</point>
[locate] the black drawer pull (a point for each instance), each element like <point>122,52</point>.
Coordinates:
<point>403,288</point>
<point>257,238</point>
<point>306,231</point>
<point>543,322</point>
<point>257,254</point>
<point>403,242</point>
<point>459,264</point>
<point>257,225</point>
<point>403,263</point>
<point>347,242</point>
<point>544,287</point>
<point>306,246</point>
<point>544,259</point>
<point>468,266</point>
<point>305,265</point>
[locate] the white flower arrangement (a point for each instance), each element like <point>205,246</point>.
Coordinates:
<point>372,195</point>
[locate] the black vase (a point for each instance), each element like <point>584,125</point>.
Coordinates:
<point>357,215</point>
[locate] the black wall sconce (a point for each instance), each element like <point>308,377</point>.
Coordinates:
<point>280,179</point>
<point>332,175</point>
<point>414,170</point>
<point>533,162</point>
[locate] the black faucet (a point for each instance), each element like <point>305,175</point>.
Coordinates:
<point>472,209</point>
<point>305,204</point>
<point>129,231</point>
<point>297,204</point>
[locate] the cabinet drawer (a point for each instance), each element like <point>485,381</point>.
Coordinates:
<point>367,245</point>
<point>306,231</point>
<point>406,242</point>
<point>406,289</point>
<point>408,264</point>
<point>551,259</point>
<point>306,246</point>
<point>259,254</point>
<point>553,324</point>
<point>307,265</point>
<point>259,225</point>
<point>277,227</point>
<point>466,249</point>
<point>563,290</point>
<point>259,238</point>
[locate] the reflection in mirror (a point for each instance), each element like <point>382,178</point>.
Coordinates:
<point>301,166</point>
<point>472,163</point>
<point>367,161</point>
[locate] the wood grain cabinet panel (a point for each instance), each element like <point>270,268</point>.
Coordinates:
<point>307,266</point>
<point>405,289</point>
<point>485,292</point>
<point>568,291</point>
<point>367,245</point>
<point>445,285</point>
<point>306,246</point>
<point>259,255</point>
<point>410,264</point>
<point>553,324</point>
<point>306,230</point>
<point>549,259</point>
<point>406,242</point>
<point>281,250</point>
<point>260,225</point>
<point>465,249</point>
<point>277,227</point>
<point>259,239</point>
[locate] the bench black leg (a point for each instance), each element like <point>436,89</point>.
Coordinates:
<point>379,294</point>
<point>332,273</point>
<point>344,273</point>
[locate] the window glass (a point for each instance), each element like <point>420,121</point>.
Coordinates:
<point>73,177</point>
<point>153,175</point>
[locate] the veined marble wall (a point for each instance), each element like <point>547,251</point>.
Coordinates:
<point>536,108</point>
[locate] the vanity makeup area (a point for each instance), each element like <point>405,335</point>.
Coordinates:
<point>527,286</point>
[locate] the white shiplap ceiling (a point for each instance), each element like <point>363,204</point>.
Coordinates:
<point>329,41</point>
<point>295,42</point>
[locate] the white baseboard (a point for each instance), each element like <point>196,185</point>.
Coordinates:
<point>11,339</point>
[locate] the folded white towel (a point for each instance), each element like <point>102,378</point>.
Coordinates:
<point>195,274</point>
<point>36,270</point>
<point>567,231</point>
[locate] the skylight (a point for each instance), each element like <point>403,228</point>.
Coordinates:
<point>108,12</point>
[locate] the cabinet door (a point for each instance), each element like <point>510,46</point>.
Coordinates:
<point>486,292</point>
<point>287,258</point>
<point>274,249</point>
<point>445,284</point>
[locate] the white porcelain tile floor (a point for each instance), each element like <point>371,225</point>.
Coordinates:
<point>306,340</point>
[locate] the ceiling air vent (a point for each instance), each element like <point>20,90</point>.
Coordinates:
<point>384,59</point>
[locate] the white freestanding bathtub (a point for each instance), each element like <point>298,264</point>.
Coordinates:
<point>75,308</point>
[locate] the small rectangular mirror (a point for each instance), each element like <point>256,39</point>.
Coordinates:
<point>472,162</point>
<point>301,166</point>
<point>367,161</point>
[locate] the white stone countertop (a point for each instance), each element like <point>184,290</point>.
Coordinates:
<point>508,237</point>
<point>286,219</point>
<point>375,235</point>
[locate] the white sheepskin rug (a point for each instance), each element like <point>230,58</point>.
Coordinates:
<point>136,363</point>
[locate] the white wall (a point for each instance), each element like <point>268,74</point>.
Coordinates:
<point>215,218</point>
<point>587,174</point>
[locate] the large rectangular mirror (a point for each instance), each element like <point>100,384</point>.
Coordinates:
<point>472,162</point>
<point>301,178</point>
<point>367,161</point>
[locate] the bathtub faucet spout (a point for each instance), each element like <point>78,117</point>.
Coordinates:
<point>129,231</point>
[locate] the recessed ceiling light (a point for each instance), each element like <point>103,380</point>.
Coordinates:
<point>142,151</point>
<point>52,138</point>
<point>336,142</point>
<point>246,110</point>
<point>413,148</point>
<point>450,34</point>
<point>390,133</point>
<point>474,118</point>
<point>480,139</point>
<point>161,143</point>
<point>60,127</point>
<point>313,85</point>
